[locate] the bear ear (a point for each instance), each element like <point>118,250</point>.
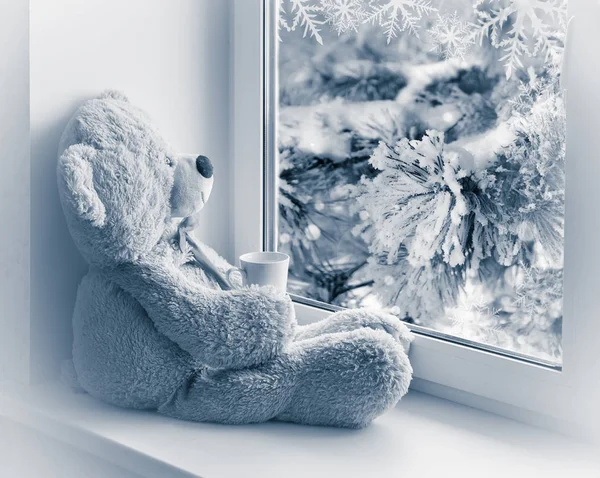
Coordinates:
<point>114,95</point>
<point>76,185</point>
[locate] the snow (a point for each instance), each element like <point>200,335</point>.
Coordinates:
<point>422,170</point>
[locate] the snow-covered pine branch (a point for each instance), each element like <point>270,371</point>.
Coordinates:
<point>417,201</point>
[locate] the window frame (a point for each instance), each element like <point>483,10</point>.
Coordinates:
<point>564,400</point>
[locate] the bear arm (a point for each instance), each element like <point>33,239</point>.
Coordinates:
<point>221,329</point>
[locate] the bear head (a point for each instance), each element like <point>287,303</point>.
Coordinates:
<point>120,184</point>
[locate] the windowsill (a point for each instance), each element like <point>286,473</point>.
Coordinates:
<point>423,436</point>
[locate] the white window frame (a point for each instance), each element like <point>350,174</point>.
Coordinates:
<point>566,400</point>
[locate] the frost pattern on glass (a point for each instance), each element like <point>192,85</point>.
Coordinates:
<point>421,152</point>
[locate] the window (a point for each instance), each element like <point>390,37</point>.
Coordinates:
<point>480,344</point>
<point>421,152</point>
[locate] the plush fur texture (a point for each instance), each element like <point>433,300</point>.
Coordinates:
<point>153,331</point>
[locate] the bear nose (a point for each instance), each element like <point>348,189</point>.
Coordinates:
<point>204,166</point>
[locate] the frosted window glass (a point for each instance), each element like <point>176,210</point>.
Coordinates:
<point>421,163</point>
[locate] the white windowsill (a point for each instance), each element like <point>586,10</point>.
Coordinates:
<point>424,436</point>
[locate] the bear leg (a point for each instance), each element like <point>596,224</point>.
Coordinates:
<point>343,379</point>
<point>348,379</point>
<point>234,396</point>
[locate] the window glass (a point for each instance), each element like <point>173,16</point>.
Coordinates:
<point>421,149</point>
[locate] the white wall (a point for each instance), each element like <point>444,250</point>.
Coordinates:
<point>171,57</point>
<point>14,189</point>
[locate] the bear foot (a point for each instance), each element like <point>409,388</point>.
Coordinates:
<point>347,379</point>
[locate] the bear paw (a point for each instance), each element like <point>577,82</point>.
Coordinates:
<point>353,319</point>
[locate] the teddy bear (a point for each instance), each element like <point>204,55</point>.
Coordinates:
<point>154,329</point>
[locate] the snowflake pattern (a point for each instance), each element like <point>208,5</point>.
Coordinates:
<point>451,36</point>
<point>527,301</point>
<point>520,28</point>
<point>344,15</point>
<point>396,16</point>
<point>305,15</point>
<point>477,317</point>
<point>536,28</point>
<point>529,90</point>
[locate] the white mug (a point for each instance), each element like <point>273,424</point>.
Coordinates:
<point>263,268</point>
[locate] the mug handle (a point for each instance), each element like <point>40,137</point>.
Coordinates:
<point>242,272</point>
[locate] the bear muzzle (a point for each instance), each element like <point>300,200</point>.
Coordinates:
<point>193,181</point>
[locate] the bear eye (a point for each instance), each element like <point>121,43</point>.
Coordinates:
<point>169,161</point>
